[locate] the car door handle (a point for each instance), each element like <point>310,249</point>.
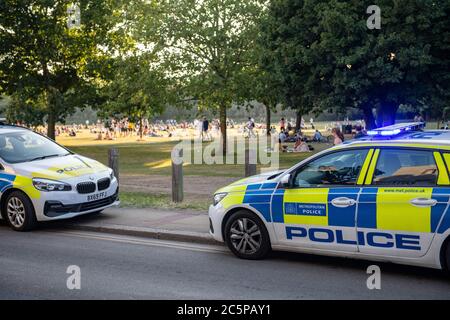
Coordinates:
<point>423,202</point>
<point>343,202</point>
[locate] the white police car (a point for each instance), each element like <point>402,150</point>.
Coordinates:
<point>383,197</point>
<point>41,181</point>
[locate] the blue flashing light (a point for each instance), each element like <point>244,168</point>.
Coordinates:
<point>390,132</point>
<point>396,129</point>
<point>384,133</point>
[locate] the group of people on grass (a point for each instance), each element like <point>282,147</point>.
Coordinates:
<point>206,130</point>
<point>288,134</point>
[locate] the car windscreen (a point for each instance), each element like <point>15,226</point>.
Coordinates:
<point>24,146</point>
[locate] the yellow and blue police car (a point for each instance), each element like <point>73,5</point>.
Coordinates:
<point>41,180</point>
<point>383,197</point>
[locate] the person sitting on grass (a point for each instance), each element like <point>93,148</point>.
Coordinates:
<point>301,146</point>
<point>359,132</point>
<point>282,137</point>
<point>72,133</point>
<point>338,136</point>
<point>99,136</point>
<point>317,136</point>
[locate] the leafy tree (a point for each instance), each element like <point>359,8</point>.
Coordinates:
<point>210,44</point>
<point>28,112</point>
<point>336,62</point>
<point>265,88</point>
<point>267,92</point>
<point>283,33</point>
<point>47,62</point>
<point>140,89</point>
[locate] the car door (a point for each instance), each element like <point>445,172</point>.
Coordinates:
<point>402,202</point>
<point>318,209</point>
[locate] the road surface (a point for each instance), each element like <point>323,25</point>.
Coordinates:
<point>33,266</point>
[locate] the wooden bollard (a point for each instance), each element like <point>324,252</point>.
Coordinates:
<point>113,161</point>
<point>250,162</point>
<point>177,176</point>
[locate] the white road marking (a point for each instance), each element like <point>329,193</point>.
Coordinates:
<point>142,241</point>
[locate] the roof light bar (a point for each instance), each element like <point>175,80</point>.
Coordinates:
<point>396,129</point>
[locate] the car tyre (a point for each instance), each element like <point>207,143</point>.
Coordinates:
<point>246,236</point>
<point>19,212</point>
<point>446,258</point>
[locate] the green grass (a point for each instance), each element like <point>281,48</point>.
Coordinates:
<point>154,159</point>
<point>160,201</point>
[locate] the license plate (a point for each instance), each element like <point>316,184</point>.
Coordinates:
<point>97,196</point>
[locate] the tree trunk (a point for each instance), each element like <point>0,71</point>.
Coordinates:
<point>51,119</point>
<point>369,119</point>
<point>268,120</point>
<point>223,128</point>
<point>140,128</point>
<point>51,123</point>
<point>298,121</point>
<point>386,114</point>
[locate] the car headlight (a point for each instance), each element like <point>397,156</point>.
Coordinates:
<point>50,185</point>
<point>218,197</point>
<point>111,174</point>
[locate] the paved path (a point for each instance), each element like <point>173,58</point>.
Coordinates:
<point>183,225</point>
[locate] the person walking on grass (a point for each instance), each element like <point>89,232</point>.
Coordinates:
<point>282,124</point>
<point>250,126</point>
<point>205,133</point>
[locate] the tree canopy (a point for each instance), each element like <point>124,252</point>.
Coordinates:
<point>309,55</point>
<point>210,43</point>
<point>44,62</point>
<point>140,88</point>
<point>328,59</point>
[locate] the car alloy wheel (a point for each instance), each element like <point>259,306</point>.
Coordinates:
<point>245,236</point>
<point>16,212</point>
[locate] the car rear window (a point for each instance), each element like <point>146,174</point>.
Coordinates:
<point>447,160</point>
<point>405,168</point>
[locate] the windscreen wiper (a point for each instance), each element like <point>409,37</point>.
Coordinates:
<point>45,157</point>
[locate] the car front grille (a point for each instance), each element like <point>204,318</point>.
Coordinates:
<point>103,184</point>
<point>56,208</point>
<point>86,187</point>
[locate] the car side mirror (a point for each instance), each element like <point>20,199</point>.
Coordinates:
<point>285,181</point>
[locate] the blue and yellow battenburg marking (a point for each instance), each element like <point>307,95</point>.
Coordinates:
<point>23,183</point>
<point>390,209</point>
<point>6,181</point>
<point>310,206</point>
<point>379,208</point>
<point>259,197</point>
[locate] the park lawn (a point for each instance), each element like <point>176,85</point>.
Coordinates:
<point>153,158</point>
<point>160,201</point>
